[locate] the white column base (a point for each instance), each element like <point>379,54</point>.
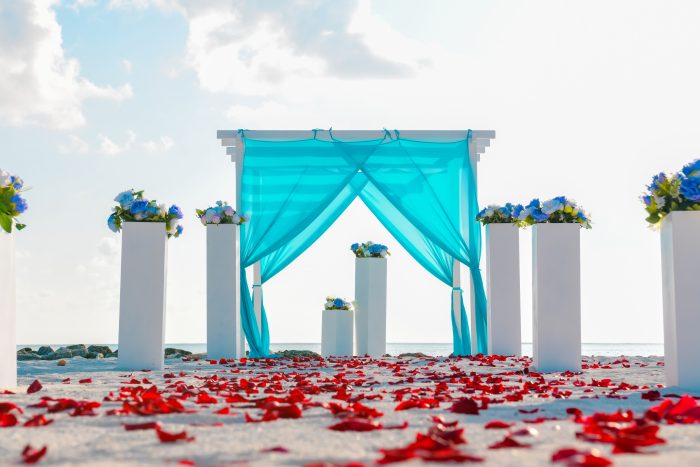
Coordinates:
<point>142,296</point>
<point>370,306</point>
<point>503,285</point>
<point>680,262</point>
<point>336,333</point>
<point>556,296</point>
<point>8,332</point>
<point>223,293</point>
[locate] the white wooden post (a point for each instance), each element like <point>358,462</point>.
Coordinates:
<point>556,297</point>
<point>142,296</point>
<point>456,296</point>
<point>237,159</point>
<point>336,333</point>
<point>473,161</point>
<point>8,344</point>
<point>223,292</point>
<point>680,263</point>
<point>370,306</point>
<point>503,279</point>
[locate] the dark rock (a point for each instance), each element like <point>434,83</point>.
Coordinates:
<point>49,356</point>
<point>27,354</point>
<point>176,353</point>
<point>297,354</point>
<point>78,350</point>
<point>103,349</point>
<point>414,355</point>
<point>62,352</point>
<point>44,349</point>
<point>76,347</point>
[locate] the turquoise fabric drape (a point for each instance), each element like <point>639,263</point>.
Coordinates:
<point>422,249</point>
<point>294,190</point>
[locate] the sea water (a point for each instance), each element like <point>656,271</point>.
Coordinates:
<point>603,350</point>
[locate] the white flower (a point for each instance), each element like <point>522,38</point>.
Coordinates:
<point>660,201</point>
<point>216,219</point>
<point>551,206</point>
<point>163,210</point>
<point>383,253</point>
<point>329,304</point>
<point>236,219</point>
<point>5,178</point>
<point>523,214</point>
<point>366,253</point>
<point>172,223</point>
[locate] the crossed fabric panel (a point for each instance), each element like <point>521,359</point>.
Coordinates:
<point>424,193</point>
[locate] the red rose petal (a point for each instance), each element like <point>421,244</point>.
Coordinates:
<point>509,442</point>
<point>7,420</point>
<point>497,425</point>
<point>31,455</point>
<point>34,387</point>
<point>141,426</point>
<point>166,437</point>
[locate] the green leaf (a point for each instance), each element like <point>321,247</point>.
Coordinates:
<point>5,222</point>
<point>20,226</point>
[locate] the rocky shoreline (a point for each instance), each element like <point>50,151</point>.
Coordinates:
<point>46,352</point>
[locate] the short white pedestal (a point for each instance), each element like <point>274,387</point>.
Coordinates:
<point>142,296</point>
<point>370,306</point>
<point>680,263</point>
<point>503,284</point>
<point>336,333</point>
<point>223,292</point>
<point>556,295</point>
<point>8,344</point>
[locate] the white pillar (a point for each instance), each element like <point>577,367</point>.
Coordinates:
<point>370,306</point>
<point>142,296</point>
<point>680,262</point>
<point>556,294</point>
<point>223,292</point>
<point>336,333</point>
<point>8,343</point>
<point>456,296</point>
<point>503,285</point>
<point>257,299</point>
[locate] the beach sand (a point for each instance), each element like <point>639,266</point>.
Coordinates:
<point>609,384</point>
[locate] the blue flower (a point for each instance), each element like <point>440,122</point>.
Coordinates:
<point>646,200</point>
<point>125,198</point>
<point>338,303</point>
<point>560,199</point>
<point>534,204</point>
<point>354,246</point>
<point>517,209</point>
<point>112,223</point>
<point>16,182</point>
<point>178,230</point>
<point>692,169</point>
<point>690,188</point>
<point>20,203</point>
<point>138,206</point>
<point>656,181</point>
<point>553,205</point>
<point>375,248</point>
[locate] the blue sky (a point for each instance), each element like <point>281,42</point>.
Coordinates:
<point>96,97</point>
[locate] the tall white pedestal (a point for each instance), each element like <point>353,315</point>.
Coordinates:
<point>8,343</point>
<point>680,263</point>
<point>370,306</point>
<point>503,285</point>
<point>556,295</point>
<point>336,333</point>
<point>223,292</point>
<point>142,296</point>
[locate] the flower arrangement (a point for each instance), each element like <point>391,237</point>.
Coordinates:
<point>222,213</point>
<point>370,250</point>
<point>557,210</point>
<point>496,214</point>
<point>11,202</point>
<point>335,303</point>
<point>133,207</point>
<point>675,192</point>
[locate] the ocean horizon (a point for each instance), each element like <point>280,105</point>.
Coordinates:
<point>433,349</point>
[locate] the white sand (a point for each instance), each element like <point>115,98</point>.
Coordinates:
<point>101,440</point>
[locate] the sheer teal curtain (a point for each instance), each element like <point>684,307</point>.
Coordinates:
<point>422,249</point>
<point>294,190</point>
<point>433,186</point>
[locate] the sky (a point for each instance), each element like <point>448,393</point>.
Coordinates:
<point>588,100</point>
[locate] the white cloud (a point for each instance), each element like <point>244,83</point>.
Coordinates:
<point>109,148</point>
<point>39,85</point>
<point>75,145</point>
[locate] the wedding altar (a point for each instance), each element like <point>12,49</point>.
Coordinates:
<point>295,184</point>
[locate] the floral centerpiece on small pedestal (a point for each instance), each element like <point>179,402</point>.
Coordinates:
<point>336,328</point>
<point>146,227</point>
<point>370,297</point>
<point>11,206</point>
<point>672,202</point>
<point>556,281</point>
<point>225,337</point>
<point>502,278</point>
